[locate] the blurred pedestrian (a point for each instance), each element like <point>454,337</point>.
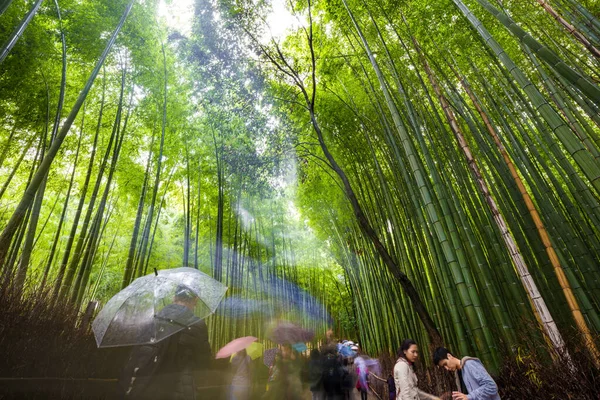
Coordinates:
<point>175,367</point>
<point>333,374</point>
<point>348,378</point>
<point>241,383</point>
<point>285,382</point>
<point>315,375</point>
<point>362,383</point>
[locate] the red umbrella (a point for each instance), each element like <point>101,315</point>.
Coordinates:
<point>235,345</point>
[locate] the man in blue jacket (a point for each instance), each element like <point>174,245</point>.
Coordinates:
<point>473,380</point>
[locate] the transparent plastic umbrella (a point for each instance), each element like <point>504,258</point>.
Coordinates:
<point>144,312</point>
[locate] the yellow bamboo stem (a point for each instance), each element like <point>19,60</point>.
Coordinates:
<point>541,229</point>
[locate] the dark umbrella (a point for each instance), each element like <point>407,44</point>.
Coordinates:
<point>289,333</point>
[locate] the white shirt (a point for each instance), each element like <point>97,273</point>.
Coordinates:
<point>406,383</point>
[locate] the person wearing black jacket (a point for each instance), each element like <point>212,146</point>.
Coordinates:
<point>174,368</point>
<point>315,375</point>
<point>333,376</point>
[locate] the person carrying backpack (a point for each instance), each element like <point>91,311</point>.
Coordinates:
<point>315,375</point>
<point>173,368</point>
<point>333,375</point>
<point>348,379</point>
<point>472,379</point>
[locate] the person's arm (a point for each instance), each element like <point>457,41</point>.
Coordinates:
<point>487,387</point>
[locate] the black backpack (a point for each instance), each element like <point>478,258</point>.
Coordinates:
<point>347,380</point>
<point>333,376</point>
<point>144,366</point>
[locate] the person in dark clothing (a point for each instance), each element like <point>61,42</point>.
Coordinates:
<point>286,382</point>
<point>348,381</point>
<point>333,375</point>
<point>315,375</point>
<point>173,368</point>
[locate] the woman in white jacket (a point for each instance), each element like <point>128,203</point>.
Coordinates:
<point>404,374</point>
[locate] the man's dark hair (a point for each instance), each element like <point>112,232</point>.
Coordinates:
<point>441,353</point>
<point>184,294</point>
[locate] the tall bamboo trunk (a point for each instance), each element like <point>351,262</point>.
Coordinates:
<point>197,237</point>
<point>32,188</point>
<point>85,228</point>
<point>218,265</point>
<point>188,211</point>
<point>4,4</point>
<point>363,222</point>
<point>129,266</point>
<point>95,234</point>
<point>540,307</point>
<point>570,28</point>
<point>37,204</point>
<point>7,145</point>
<point>15,168</point>
<point>15,246</point>
<point>12,40</point>
<point>541,229</point>
<point>150,217</point>
<point>82,197</point>
<point>64,210</point>
<point>161,205</point>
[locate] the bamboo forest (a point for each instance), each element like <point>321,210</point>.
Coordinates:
<point>296,199</point>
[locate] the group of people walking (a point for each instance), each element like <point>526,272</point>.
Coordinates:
<point>181,367</point>
<point>334,377</point>
<point>329,374</point>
